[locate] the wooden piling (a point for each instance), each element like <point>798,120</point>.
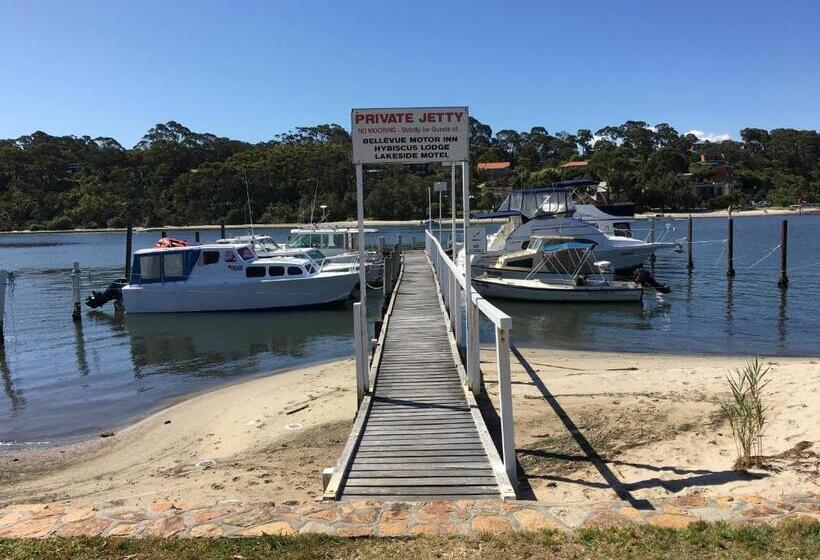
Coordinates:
<point>76,314</point>
<point>398,242</point>
<point>413,242</point>
<point>196,236</point>
<point>730,264</point>
<point>652,240</point>
<point>381,245</point>
<point>4,281</point>
<point>164,235</point>
<point>784,253</point>
<point>222,228</point>
<point>690,265</point>
<point>129,237</point>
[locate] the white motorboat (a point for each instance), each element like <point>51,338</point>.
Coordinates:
<point>340,245</point>
<point>179,278</point>
<point>551,212</point>
<point>568,291</point>
<point>573,276</point>
<point>265,246</point>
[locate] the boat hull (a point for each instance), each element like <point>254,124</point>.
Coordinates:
<point>569,294</point>
<point>185,297</point>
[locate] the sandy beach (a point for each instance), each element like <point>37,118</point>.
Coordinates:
<point>590,426</point>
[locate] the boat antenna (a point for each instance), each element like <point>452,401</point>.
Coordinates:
<point>248,198</point>
<point>313,205</point>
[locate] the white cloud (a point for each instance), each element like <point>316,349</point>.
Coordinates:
<point>709,136</point>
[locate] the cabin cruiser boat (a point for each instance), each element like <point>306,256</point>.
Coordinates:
<point>340,245</point>
<point>327,258</point>
<point>551,212</point>
<point>228,277</point>
<point>573,277</point>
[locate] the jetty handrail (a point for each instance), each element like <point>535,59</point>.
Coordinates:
<point>452,283</point>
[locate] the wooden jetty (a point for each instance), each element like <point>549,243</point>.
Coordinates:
<point>419,434</point>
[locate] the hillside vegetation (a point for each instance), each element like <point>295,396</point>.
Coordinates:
<point>181,177</point>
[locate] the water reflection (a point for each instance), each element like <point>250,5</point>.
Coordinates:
<point>213,343</point>
<point>15,397</point>
<point>782,319</point>
<point>79,349</point>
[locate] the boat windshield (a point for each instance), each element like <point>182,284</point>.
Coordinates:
<point>265,244</point>
<point>307,240</point>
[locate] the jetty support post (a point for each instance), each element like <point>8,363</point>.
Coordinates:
<point>196,236</point>
<point>222,228</point>
<point>470,311</point>
<point>502,353</point>
<point>129,237</point>
<point>357,336</point>
<point>363,340</point>
<point>784,253</point>
<point>652,240</point>
<point>381,245</point>
<point>730,263</point>
<point>453,205</point>
<point>76,314</point>
<point>690,265</point>
<point>4,281</point>
<point>399,243</point>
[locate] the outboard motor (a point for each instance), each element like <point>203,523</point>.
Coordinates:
<point>112,293</point>
<point>644,277</point>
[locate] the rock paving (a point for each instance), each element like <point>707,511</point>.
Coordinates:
<point>386,519</point>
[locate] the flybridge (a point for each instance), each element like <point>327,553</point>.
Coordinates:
<point>410,117</point>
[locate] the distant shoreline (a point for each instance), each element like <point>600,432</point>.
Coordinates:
<point>757,212</point>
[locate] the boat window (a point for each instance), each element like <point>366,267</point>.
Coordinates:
<point>623,229</point>
<point>209,257</point>
<point>315,254</point>
<point>310,269</point>
<point>255,271</point>
<point>525,245</point>
<point>294,271</point>
<point>276,270</point>
<point>521,263</point>
<point>338,240</point>
<point>173,267</point>
<point>306,240</point>
<point>246,253</point>
<point>150,268</point>
<point>230,256</point>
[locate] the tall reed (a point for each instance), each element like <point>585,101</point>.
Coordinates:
<point>746,412</point>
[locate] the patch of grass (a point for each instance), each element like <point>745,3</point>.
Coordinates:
<point>701,540</point>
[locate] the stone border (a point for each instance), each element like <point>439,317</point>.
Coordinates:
<point>386,519</point>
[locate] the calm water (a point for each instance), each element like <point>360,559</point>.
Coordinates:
<point>62,381</point>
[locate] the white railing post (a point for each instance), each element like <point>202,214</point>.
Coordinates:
<point>357,336</point>
<point>474,347</point>
<point>502,353</point>
<point>455,310</point>
<point>4,279</point>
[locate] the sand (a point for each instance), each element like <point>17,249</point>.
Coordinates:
<point>260,451</point>
<point>651,423</point>
<point>655,423</point>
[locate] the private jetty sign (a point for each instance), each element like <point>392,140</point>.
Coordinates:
<point>418,135</point>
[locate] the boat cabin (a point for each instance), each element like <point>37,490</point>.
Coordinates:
<point>178,264</point>
<point>331,241</point>
<point>554,255</point>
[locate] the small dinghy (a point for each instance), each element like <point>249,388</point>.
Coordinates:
<point>573,276</point>
<point>539,290</point>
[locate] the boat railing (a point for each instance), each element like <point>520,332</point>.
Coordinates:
<point>451,284</point>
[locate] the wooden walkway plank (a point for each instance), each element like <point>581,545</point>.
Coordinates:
<point>420,439</point>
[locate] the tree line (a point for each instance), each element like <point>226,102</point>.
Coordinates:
<point>174,175</point>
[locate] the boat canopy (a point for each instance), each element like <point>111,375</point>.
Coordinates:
<point>571,245</point>
<point>532,203</point>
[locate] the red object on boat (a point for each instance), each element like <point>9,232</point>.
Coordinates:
<point>168,242</point>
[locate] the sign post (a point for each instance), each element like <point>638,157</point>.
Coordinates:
<point>406,136</point>
<point>439,187</point>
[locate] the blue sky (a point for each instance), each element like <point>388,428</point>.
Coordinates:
<point>250,70</point>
